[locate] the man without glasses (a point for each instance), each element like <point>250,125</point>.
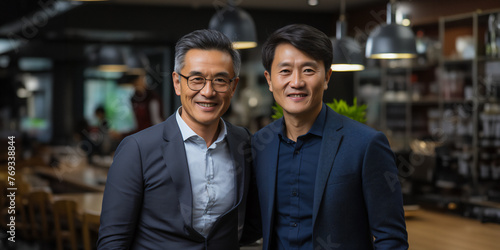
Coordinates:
<point>322,178</point>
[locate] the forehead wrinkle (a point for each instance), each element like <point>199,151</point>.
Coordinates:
<point>198,73</point>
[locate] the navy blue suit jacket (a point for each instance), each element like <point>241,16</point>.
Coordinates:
<point>357,197</point>
<point>148,200</point>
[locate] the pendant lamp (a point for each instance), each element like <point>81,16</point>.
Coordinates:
<point>236,24</point>
<point>137,63</point>
<point>347,53</point>
<point>111,59</point>
<point>391,40</point>
<point>137,66</point>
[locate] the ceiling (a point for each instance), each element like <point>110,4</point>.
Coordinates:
<point>100,20</point>
<point>302,5</point>
<point>41,30</point>
<point>14,14</point>
<point>11,10</point>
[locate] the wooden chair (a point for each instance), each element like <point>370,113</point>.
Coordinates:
<point>91,224</point>
<point>39,212</point>
<point>22,222</point>
<point>65,220</point>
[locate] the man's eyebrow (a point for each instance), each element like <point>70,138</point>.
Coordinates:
<point>195,73</point>
<point>283,64</point>
<point>223,73</point>
<point>305,64</point>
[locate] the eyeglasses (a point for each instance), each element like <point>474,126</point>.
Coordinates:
<point>220,83</point>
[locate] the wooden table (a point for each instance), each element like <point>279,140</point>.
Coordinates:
<point>411,210</point>
<point>84,178</point>
<point>86,202</point>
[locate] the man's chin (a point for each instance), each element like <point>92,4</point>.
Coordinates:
<point>207,121</point>
<point>295,111</point>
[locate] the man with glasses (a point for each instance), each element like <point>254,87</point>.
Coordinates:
<point>182,184</point>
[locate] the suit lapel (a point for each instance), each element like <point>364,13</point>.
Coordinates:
<point>236,145</point>
<point>272,156</point>
<point>332,138</point>
<point>268,166</point>
<point>174,155</point>
<point>238,149</point>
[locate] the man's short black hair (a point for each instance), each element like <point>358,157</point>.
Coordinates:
<point>305,38</point>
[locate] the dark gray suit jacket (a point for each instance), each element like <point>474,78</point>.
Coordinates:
<point>148,200</point>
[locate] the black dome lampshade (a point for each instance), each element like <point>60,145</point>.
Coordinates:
<point>137,66</point>
<point>236,24</point>
<point>391,41</point>
<point>347,53</point>
<point>137,63</point>
<point>111,59</point>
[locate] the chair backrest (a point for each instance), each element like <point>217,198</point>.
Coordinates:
<point>65,219</point>
<point>39,209</point>
<point>90,223</point>
<point>4,203</point>
<point>22,220</point>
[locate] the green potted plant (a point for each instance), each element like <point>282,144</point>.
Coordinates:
<point>355,112</point>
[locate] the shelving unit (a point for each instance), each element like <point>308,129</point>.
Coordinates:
<point>454,103</point>
<point>488,116</point>
<point>404,101</point>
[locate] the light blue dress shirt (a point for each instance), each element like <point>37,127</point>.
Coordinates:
<point>211,171</point>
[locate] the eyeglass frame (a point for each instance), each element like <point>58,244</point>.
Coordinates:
<point>205,84</point>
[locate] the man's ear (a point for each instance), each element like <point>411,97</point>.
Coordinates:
<point>177,83</point>
<point>327,78</point>
<point>268,78</point>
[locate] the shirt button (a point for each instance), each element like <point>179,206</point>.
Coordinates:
<point>296,152</point>
<point>294,224</point>
<point>294,193</point>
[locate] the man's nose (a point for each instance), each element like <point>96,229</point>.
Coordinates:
<point>296,80</point>
<point>208,90</point>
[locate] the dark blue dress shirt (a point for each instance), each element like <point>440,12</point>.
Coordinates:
<point>297,164</point>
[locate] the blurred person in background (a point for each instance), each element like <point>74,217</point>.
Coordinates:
<point>146,103</point>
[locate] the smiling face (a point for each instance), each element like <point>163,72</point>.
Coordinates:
<point>204,108</point>
<point>297,82</point>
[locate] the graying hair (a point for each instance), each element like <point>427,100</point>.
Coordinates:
<point>205,40</point>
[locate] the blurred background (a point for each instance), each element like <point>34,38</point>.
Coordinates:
<point>76,77</point>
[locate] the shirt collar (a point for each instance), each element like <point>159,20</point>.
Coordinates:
<point>317,127</point>
<point>187,132</point>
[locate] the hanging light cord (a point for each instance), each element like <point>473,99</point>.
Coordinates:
<point>391,12</point>
<point>234,3</point>
<point>342,10</point>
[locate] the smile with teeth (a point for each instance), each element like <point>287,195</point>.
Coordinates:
<point>297,95</point>
<point>207,105</point>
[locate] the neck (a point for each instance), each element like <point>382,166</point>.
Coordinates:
<point>297,125</point>
<point>209,133</point>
